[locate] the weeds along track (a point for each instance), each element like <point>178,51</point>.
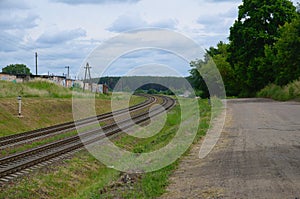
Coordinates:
<point>16,139</point>
<point>17,164</point>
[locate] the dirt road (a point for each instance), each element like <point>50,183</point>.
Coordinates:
<point>257,156</point>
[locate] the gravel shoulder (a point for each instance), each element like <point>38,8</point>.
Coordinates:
<point>257,155</point>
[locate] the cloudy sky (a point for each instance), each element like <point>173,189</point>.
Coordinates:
<point>67,32</point>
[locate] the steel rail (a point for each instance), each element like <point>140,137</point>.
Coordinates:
<point>69,126</point>
<point>14,163</point>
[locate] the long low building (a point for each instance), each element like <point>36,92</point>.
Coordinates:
<point>59,80</point>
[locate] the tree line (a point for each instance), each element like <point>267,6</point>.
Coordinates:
<point>263,48</point>
<point>146,83</point>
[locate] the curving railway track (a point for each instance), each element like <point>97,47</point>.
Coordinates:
<point>14,165</point>
<point>12,140</point>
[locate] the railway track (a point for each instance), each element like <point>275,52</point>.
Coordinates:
<point>21,138</point>
<point>17,164</point>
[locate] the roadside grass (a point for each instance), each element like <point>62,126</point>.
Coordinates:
<point>82,176</point>
<point>289,92</point>
<point>153,184</point>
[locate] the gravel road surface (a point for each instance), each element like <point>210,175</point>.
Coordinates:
<point>257,155</point>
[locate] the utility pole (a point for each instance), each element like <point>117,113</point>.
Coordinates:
<point>87,72</point>
<point>68,75</point>
<point>36,65</point>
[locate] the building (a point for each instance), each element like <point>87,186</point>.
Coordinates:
<point>59,80</point>
<point>96,88</point>
<point>102,88</point>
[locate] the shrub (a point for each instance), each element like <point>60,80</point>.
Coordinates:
<point>287,92</point>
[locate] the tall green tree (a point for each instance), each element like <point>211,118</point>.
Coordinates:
<point>220,56</point>
<point>257,26</point>
<point>286,53</point>
<point>16,69</point>
<point>204,72</point>
<point>196,80</point>
<point>214,57</point>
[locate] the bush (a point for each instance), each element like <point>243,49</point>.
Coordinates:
<point>287,92</point>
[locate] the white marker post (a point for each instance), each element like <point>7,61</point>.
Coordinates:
<point>20,106</point>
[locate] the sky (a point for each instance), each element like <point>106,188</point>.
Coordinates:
<point>73,32</point>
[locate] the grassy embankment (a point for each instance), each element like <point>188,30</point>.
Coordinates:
<point>44,104</point>
<point>84,177</point>
<point>289,92</point>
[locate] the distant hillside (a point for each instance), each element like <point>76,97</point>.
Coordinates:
<point>147,82</point>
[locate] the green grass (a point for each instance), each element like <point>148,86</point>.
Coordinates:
<point>284,93</point>
<point>33,89</point>
<point>83,176</point>
<point>37,143</point>
<point>44,141</point>
<point>134,100</point>
<point>153,184</point>
<point>42,88</point>
<point>41,112</point>
<point>75,174</point>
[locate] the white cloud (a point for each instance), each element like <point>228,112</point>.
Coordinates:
<point>26,21</point>
<point>10,43</point>
<point>132,64</point>
<point>218,1</point>
<point>142,47</point>
<point>165,23</point>
<point>12,5</point>
<point>127,22</point>
<point>61,37</point>
<point>133,21</point>
<point>77,2</point>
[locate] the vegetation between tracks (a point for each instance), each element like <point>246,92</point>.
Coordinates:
<point>84,177</point>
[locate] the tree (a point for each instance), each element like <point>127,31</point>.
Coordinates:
<point>205,76</point>
<point>214,56</point>
<point>257,26</point>
<point>16,69</point>
<point>196,80</point>
<point>219,56</point>
<point>286,53</point>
